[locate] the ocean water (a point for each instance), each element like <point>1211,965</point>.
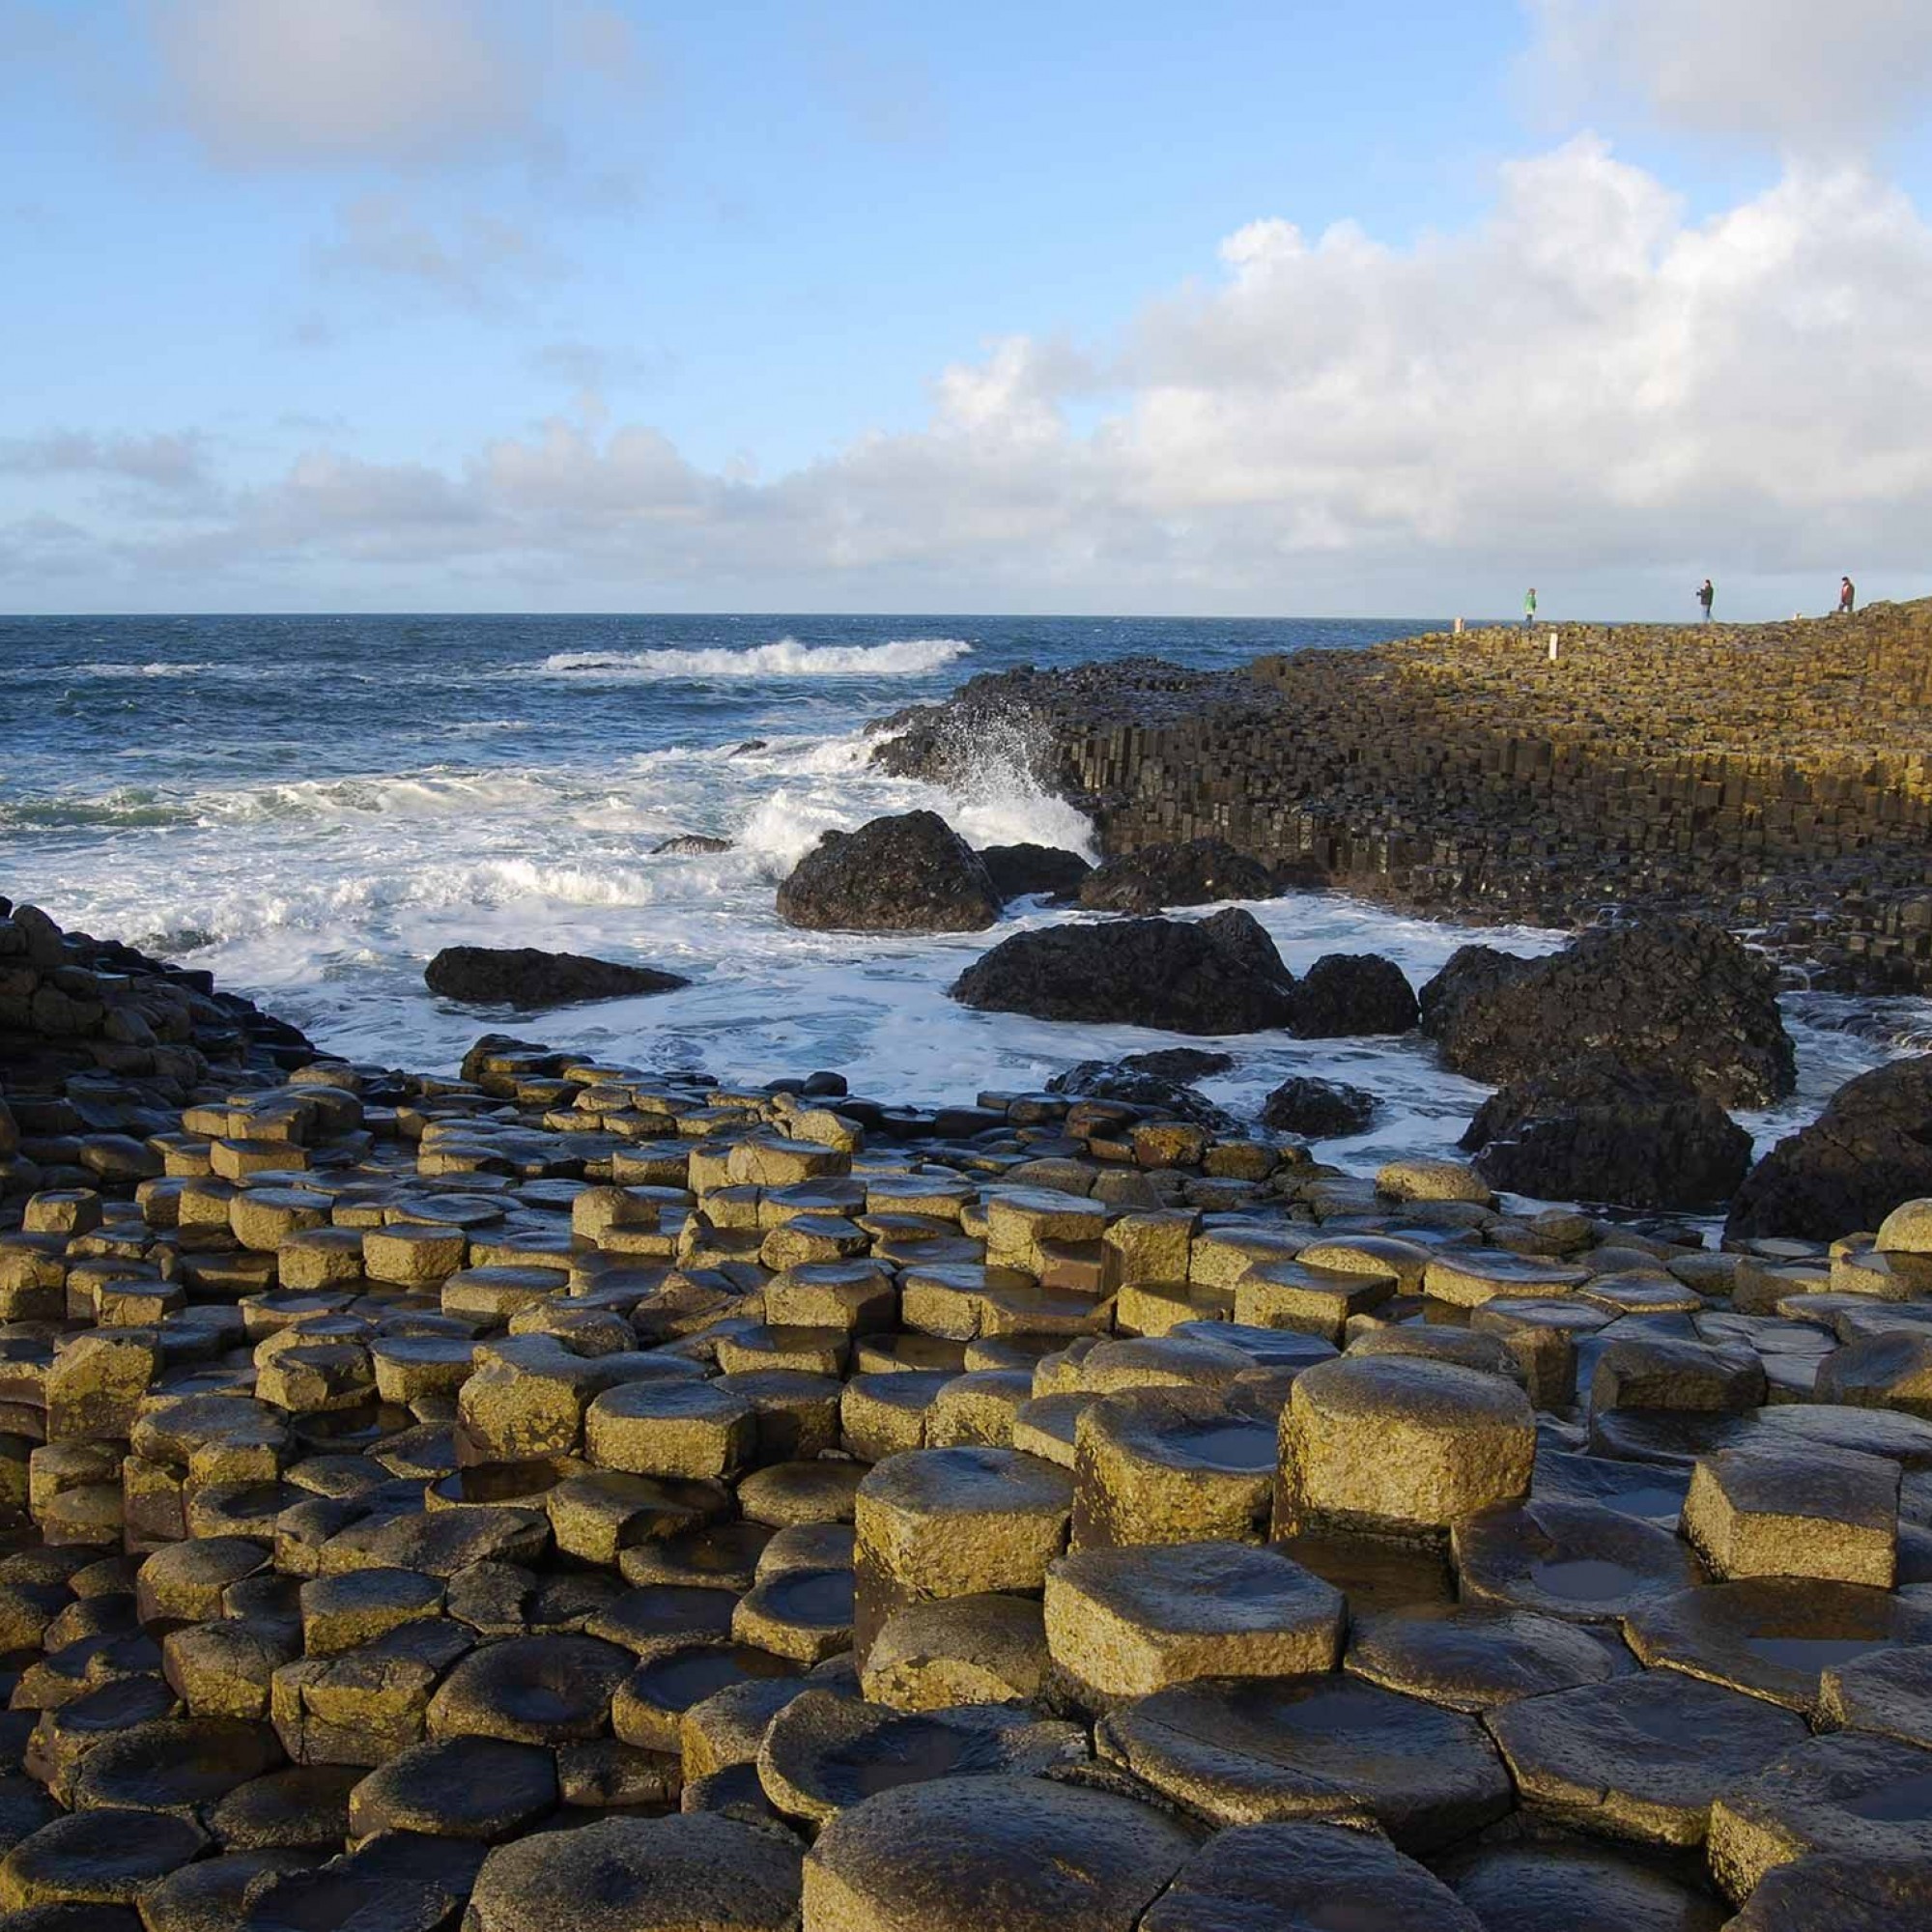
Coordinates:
<point>310,808</point>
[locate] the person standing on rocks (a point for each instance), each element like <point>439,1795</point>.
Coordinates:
<point>1848,597</point>
<point>1528,608</point>
<point>1707,595</point>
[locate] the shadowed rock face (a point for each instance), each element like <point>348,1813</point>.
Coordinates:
<point>1343,994</point>
<point>1199,872</point>
<point>1317,1109</point>
<point>1596,1130</point>
<point>1018,871</point>
<point>1203,978</point>
<point>910,873</point>
<point>1871,1150</point>
<point>523,976</point>
<point>1667,994</point>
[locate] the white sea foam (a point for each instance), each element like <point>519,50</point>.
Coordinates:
<point>788,658</point>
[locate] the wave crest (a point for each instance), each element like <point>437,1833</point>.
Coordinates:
<point>788,658</point>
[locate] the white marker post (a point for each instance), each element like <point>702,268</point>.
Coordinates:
<point>1553,647</point>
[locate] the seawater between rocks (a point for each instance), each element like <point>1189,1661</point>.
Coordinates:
<point>310,808</point>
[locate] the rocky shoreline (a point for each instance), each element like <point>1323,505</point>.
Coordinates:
<point>565,1493</point>
<point>1772,778</point>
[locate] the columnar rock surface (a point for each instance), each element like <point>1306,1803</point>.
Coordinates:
<point>569,1491</point>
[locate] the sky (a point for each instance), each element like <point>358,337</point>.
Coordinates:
<point>1265,309</point>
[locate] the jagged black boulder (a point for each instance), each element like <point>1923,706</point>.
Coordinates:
<point>1183,1063</point>
<point>1019,871</point>
<point>1207,976</point>
<point>523,976</point>
<point>1345,994</point>
<point>909,873</point>
<point>1318,1110</point>
<point>1117,1080</point>
<point>1199,873</point>
<point>1867,1153</point>
<point>690,846</point>
<point>1673,995</point>
<point>1593,1130</point>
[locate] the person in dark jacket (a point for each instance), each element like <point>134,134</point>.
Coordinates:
<point>1707,595</point>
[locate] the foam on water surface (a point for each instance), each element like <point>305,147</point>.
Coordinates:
<point>314,846</point>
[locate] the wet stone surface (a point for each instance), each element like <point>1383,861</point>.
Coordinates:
<point>571,1494</point>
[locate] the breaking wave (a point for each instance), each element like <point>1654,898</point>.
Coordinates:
<point>788,658</point>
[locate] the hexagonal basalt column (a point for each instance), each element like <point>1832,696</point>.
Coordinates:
<point>1397,1443</point>
<point>954,1522</point>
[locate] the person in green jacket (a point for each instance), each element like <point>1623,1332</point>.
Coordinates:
<point>1529,609</point>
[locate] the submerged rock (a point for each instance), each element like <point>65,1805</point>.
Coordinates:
<point>1199,872</point>
<point>1104,1080</point>
<point>909,873</point>
<point>1019,871</point>
<point>1208,977</point>
<point>1317,1110</point>
<point>1871,1150</point>
<point>690,846</point>
<point>524,975</point>
<point>1346,994</point>
<point>1667,994</point>
<point>1594,1129</point>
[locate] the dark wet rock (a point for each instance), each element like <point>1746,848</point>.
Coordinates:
<point>299,1806</point>
<point>102,1857</point>
<point>690,846</point>
<point>1473,1658</point>
<point>1642,1756</point>
<point>1180,1063</point>
<point>1204,871</point>
<point>1849,1796</point>
<point>1318,1110</point>
<point>1885,1691</point>
<point>175,1764</point>
<point>1102,1080</point>
<point>1020,871</point>
<point>1199,976</point>
<point>824,1752</point>
<point>338,1894</point>
<point>910,873</point>
<point>1868,1151</point>
<point>1668,994</point>
<point>1025,1854</point>
<point>641,1875</point>
<point>1594,1129</point>
<point>523,976</point>
<point>1240,1750</point>
<point>208,1895</point>
<point>1578,1561</point>
<point>548,1690</point>
<point>465,1787</point>
<point>1773,1636</point>
<point>1572,1886</point>
<point>1344,995</point>
<point>1826,1893</point>
<point>1298,1878</point>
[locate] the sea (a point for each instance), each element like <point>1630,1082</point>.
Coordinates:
<point>310,807</point>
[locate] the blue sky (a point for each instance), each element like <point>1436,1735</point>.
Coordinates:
<point>487,303</point>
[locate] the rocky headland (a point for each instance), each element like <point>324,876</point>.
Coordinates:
<point>567,1493</point>
<point>1773,778</point>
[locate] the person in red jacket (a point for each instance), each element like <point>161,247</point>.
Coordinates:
<point>1848,597</point>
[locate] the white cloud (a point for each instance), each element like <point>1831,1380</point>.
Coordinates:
<point>294,80</point>
<point>1799,73</point>
<point>400,82</point>
<point>168,461</point>
<point>1585,389</point>
<point>478,262</point>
